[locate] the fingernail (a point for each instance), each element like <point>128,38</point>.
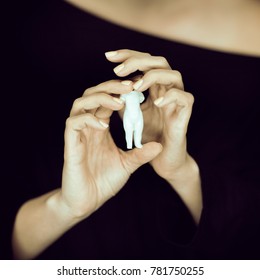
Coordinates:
<point>158,101</point>
<point>104,124</point>
<point>110,54</point>
<point>119,68</point>
<point>120,101</point>
<point>138,84</point>
<point>126,83</point>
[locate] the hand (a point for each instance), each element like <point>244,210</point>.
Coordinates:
<point>95,169</point>
<point>166,111</point>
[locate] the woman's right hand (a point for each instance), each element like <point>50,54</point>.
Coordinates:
<point>95,169</point>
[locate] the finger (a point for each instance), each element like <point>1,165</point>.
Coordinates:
<point>111,87</point>
<point>181,98</point>
<point>137,157</point>
<point>169,78</point>
<point>179,102</point>
<point>94,101</point>
<point>133,64</point>
<point>103,113</point>
<point>123,54</point>
<point>74,125</point>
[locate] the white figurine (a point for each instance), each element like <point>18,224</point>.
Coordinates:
<point>133,118</point>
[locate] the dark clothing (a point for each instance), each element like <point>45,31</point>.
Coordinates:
<point>57,52</point>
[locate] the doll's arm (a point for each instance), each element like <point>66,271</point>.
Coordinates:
<point>141,97</point>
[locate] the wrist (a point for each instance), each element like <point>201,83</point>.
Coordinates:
<point>61,210</point>
<point>187,184</point>
<point>188,172</point>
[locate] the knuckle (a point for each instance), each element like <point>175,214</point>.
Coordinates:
<point>88,91</point>
<point>146,54</point>
<point>190,99</point>
<point>77,102</point>
<point>178,74</point>
<point>162,59</point>
<point>69,122</point>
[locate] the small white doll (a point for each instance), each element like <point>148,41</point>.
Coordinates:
<point>133,118</point>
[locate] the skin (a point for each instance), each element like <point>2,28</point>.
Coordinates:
<point>90,180</point>
<point>172,107</point>
<point>224,25</point>
<point>87,183</point>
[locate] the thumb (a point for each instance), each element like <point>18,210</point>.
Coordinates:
<point>137,157</point>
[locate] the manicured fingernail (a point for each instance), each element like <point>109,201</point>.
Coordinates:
<point>138,84</point>
<point>110,54</point>
<point>158,101</point>
<point>126,83</point>
<point>104,124</point>
<point>120,101</point>
<point>119,68</point>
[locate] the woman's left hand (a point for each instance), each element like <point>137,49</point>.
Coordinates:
<point>166,111</point>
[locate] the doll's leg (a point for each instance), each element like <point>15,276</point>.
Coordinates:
<point>128,127</point>
<point>138,134</point>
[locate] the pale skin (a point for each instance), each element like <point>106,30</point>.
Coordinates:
<point>225,25</point>
<point>95,169</point>
<point>87,183</point>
